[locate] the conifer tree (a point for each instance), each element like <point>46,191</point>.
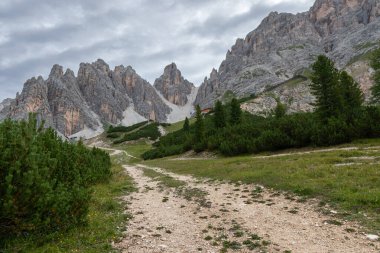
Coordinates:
<point>219,115</point>
<point>351,93</point>
<point>375,64</point>
<point>235,117</point>
<point>186,125</point>
<point>325,87</point>
<point>199,126</point>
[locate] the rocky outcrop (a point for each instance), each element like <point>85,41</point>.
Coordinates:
<point>173,86</point>
<point>33,99</point>
<point>294,94</point>
<point>284,44</point>
<point>142,95</point>
<point>6,102</point>
<point>67,105</point>
<point>102,96</point>
<point>97,96</point>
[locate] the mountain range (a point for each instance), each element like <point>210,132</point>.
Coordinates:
<point>273,61</point>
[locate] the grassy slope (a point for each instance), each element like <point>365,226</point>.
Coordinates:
<point>105,216</point>
<point>177,126</point>
<point>354,188</point>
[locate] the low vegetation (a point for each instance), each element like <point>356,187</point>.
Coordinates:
<point>149,131</point>
<point>340,117</point>
<point>347,179</point>
<point>124,129</point>
<point>163,179</point>
<point>46,184</point>
<point>105,217</point>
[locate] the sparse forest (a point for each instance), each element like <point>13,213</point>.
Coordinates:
<point>340,117</point>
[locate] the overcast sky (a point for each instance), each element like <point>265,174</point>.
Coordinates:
<point>146,34</point>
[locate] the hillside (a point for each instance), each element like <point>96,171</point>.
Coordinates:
<point>285,44</point>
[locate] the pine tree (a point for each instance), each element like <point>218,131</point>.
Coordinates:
<point>351,93</point>
<point>375,64</point>
<point>186,125</point>
<point>325,87</point>
<point>219,115</point>
<point>235,117</point>
<point>199,126</point>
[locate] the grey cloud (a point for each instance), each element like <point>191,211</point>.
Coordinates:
<point>146,34</point>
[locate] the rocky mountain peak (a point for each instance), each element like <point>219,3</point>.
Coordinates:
<point>284,44</point>
<point>169,69</point>
<point>101,65</point>
<point>69,73</point>
<point>213,74</point>
<point>173,86</point>
<point>56,71</point>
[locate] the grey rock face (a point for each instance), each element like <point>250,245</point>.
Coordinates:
<point>68,107</point>
<point>173,86</point>
<point>33,99</point>
<point>141,94</point>
<point>96,85</point>
<point>95,97</point>
<point>285,44</point>
<point>296,96</point>
<point>6,102</point>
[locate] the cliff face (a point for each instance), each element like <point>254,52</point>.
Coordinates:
<point>33,98</point>
<point>173,86</point>
<point>97,96</point>
<point>67,105</point>
<point>285,44</point>
<point>142,96</point>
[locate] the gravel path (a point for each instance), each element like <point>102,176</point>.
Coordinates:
<point>222,217</point>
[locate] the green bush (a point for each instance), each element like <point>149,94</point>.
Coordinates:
<point>113,135</point>
<point>124,129</point>
<point>44,181</point>
<point>335,131</point>
<point>256,134</point>
<point>271,140</point>
<point>149,131</point>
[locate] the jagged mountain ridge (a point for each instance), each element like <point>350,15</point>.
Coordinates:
<point>282,47</point>
<point>96,97</point>
<point>285,44</point>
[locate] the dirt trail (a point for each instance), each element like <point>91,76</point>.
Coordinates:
<point>231,218</point>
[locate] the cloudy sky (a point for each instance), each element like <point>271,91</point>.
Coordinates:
<point>146,34</point>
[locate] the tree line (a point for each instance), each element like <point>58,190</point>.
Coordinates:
<point>340,116</point>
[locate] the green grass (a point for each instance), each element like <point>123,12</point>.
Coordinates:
<point>177,126</point>
<point>135,149</point>
<point>354,189</point>
<point>149,131</point>
<point>291,83</point>
<point>124,129</point>
<point>163,179</point>
<point>294,82</point>
<point>361,57</point>
<point>104,218</point>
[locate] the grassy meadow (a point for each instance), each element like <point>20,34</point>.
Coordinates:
<point>348,179</point>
